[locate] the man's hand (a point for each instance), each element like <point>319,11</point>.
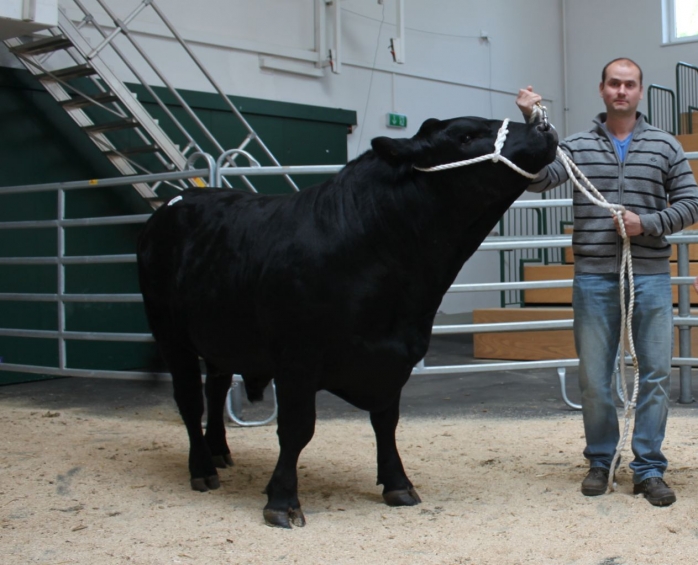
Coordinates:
<point>632,223</point>
<point>526,100</point>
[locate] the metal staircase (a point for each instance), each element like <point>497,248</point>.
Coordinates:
<point>78,76</point>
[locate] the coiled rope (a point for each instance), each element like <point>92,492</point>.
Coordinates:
<point>626,269</point>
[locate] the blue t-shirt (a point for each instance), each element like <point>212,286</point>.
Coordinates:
<point>622,146</point>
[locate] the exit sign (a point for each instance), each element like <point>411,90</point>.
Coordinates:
<point>397,120</point>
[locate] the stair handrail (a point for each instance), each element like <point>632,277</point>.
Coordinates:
<point>653,97</point>
<point>104,144</point>
<point>121,26</point>
<point>214,83</point>
<point>690,91</point>
<point>191,142</point>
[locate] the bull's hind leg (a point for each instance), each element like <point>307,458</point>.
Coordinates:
<point>217,385</point>
<point>397,488</point>
<point>295,428</point>
<point>186,380</point>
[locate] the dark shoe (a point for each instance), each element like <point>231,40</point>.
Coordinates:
<point>656,491</point>
<point>596,482</point>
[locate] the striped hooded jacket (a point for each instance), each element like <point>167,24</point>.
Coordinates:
<point>655,181</point>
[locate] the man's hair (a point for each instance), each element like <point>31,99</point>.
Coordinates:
<point>625,60</point>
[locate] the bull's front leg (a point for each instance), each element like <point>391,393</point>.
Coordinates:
<point>295,428</point>
<point>397,488</point>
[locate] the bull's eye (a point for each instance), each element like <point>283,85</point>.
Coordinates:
<point>465,139</point>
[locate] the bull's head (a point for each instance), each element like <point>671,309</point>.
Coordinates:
<point>438,142</point>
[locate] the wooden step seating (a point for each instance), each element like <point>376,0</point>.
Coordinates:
<point>689,142</point>
<point>539,344</point>
<point>563,296</point>
<point>551,304</point>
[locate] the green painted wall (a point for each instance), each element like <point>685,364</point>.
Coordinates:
<point>39,143</point>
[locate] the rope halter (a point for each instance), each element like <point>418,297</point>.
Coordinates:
<point>495,157</point>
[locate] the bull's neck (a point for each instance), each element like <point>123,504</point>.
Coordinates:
<point>434,227</point>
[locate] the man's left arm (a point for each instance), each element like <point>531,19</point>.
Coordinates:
<point>682,193</point>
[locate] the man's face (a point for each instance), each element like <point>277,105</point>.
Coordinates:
<point>621,91</point>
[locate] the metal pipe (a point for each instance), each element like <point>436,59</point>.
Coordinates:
<point>100,183</point>
<point>120,26</point>
<point>503,327</point>
<point>55,372</point>
<point>27,297</point>
<point>686,394</point>
<point>225,98</point>
<point>212,167</point>
<point>60,274</point>
<point>80,222</point>
<point>78,336</point>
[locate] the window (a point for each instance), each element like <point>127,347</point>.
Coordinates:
<point>680,19</point>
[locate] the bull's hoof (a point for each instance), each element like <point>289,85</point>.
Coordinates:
<point>284,519</point>
<point>405,497</point>
<point>203,484</point>
<point>223,461</point>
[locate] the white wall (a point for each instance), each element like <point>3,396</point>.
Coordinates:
<point>26,16</point>
<point>601,30</point>
<point>450,70</point>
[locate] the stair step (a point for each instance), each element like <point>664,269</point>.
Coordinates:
<point>47,45</point>
<point>551,296</point>
<point>143,149</point>
<point>689,122</point>
<point>523,345</point>
<point>68,73</point>
<point>77,102</point>
<point>539,344</point>
<point>548,273</point>
<point>689,141</point>
<point>111,126</point>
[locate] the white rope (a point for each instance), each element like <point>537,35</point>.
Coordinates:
<point>496,156</point>
<point>626,268</point>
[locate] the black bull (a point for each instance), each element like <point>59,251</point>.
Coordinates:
<point>334,288</point>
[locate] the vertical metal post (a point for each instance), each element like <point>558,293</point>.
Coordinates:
<point>60,275</point>
<point>320,33</point>
<point>685,394</point>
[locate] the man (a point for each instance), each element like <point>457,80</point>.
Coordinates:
<point>644,169</point>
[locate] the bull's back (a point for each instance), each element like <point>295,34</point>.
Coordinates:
<point>192,256</point>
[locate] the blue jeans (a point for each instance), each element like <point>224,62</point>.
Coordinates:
<point>596,303</point>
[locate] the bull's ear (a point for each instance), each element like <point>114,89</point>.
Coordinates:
<point>428,127</point>
<point>394,150</point>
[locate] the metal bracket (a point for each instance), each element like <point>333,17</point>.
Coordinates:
<point>233,404</point>
<point>562,373</point>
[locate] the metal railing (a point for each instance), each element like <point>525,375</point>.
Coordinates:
<point>546,216</point>
<point>661,108</point>
<point>684,321</point>
<point>686,94</point>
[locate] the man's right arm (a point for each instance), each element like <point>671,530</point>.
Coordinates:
<point>554,174</point>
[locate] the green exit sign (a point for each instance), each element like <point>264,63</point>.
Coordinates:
<point>397,120</point>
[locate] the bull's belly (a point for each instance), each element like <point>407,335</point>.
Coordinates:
<point>366,379</point>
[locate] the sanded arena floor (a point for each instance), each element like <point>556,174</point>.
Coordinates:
<point>95,471</point>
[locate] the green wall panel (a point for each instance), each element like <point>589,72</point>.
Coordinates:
<point>39,143</point>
